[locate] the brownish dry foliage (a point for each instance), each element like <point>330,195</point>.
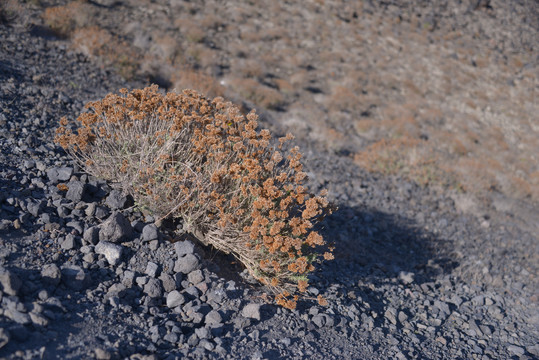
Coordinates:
<point>65,19</point>
<point>182,155</point>
<point>101,45</point>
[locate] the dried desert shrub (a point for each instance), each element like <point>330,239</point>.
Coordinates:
<point>65,19</point>
<point>198,81</point>
<point>99,44</point>
<point>261,95</point>
<point>185,156</point>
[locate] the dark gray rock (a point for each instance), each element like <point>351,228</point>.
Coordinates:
<point>251,311</point>
<point>169,284</point>
<point>51,274</point>
<point>150,232</point>
<point>171,338</point>
<point>516,350</point>
<point>74,277</point>
<point>195,277</point>
<point>77,225</point>
<point>151,269</point>
<point>174,299</point>
<point>153,288</point>
<point>193,291</point>
<point>57,174</point>
<point>70,242</point>
<point>112,252</point>
<point>101,212</point>
<point>116,229</point>
<point>184,247</point>
<point>213,318</point>
<point>91,235</point>
<point>76,191</point>
<point>35,207</point>
<point>4,337</point>
<point>186,264</point>
<point>9,281</point>
<point>117,200</point>
<point>128,278</point>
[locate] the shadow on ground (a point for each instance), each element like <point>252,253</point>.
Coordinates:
<point>373,248</point>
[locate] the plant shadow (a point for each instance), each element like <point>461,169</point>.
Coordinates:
<point>373,248</point>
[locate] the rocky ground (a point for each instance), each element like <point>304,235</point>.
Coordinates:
<point>420,272</point>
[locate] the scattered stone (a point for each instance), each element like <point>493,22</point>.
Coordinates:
<point>74,277</point>
<point>390,315</point>
<point>112,252</point>
<point>184,248</point>
<point>57,174</point>
<point>91,235</point>
<point>213,318</point>
<point>516,350</point>
<point>128,278</point>
<point>186,264</point>
<point>406,277</point>
<point>169,284</point>
<point>116,229</point>
<point>202,333</point>
<point>17,316</point>
<point>319,320</point>
<point>251,311</point>
<point>9,281</point>
<point>38,319</point>
<point>70,242</point>
<point>117,200</point>
<point>51,274</point>
<point>101,354</point>
<point>35,207</point>
<point>4,337</point>
<point>76,191</point>
<point>153,288</point>
<point>151,269</point>
<point>174,298</point>
<point>195,277</point>
<point>150,232</point>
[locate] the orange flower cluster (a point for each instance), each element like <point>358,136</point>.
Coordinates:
<point>182,155</point>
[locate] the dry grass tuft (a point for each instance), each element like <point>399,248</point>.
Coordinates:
<point>99,44</point>
<point>63,20</point>
<point>201,160</point>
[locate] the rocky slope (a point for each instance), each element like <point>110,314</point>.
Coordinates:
<point>420,272</point>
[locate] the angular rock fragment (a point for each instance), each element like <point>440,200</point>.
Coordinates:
<point>186,264</point>
<point>9,282</point>
<point>76,191</point>
<point>116,229</point>
<point>112,252</point>
<point>117,200</point>
<point>174,298</point>
<point>251,311</point>
<point>74,277</point>
<point>184,247</point>
<point>91,235</point>
<point>150,232</point>
<point>51,274</point>
<point>56,174</point>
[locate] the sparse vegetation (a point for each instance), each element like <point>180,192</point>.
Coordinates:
<point>388,78</point>
<point>201,160</point>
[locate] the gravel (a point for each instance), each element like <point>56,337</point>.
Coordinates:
<point>84,275</point>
